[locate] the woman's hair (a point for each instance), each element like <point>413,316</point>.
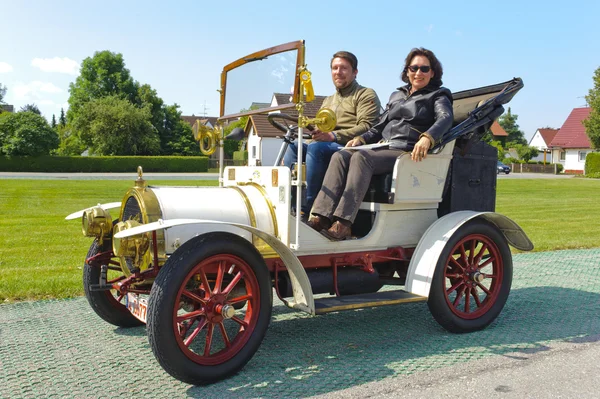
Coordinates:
<point>436,65</point>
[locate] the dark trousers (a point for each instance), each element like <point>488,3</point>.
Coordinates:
<point>347,180</point>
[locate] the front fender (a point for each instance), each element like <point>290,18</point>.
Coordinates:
<point>426,255</point>
<point>303,296</point>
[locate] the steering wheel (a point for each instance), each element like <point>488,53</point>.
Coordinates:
<point>285,127</point>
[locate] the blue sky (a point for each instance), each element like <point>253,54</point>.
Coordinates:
<point>180,48</point>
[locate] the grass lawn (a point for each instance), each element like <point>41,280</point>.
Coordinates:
<point>41,254</point>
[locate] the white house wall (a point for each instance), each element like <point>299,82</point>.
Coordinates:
<point>572,161</point>
<point>538,142</point>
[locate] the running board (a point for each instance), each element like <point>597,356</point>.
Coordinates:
<point>349,302</point>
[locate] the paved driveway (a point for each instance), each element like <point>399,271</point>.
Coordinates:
<point>62,349</point>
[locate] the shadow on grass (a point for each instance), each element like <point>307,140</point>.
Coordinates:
<point>303,356</point>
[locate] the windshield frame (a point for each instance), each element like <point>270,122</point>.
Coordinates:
<point>256,56</point>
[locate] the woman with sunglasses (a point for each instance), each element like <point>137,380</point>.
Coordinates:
<point>416,117</point>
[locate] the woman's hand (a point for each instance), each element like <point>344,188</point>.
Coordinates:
<point>355,142</point>
<point>420,151</point>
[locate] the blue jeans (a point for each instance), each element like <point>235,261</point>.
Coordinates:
<point>317,155</point>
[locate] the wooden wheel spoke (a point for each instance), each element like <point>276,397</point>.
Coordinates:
<point>191,315</point>
<point>194,297</point>
<point>467,299</point>
<point>240,321</point>
<point>484,289</point>
<point>487,262</point>
<point>224,334</point>
<point>220,273</point>
<point>459,295</point>
<point>455,262</point>
<point>476,296</point>
<point>454,275</point>
<point>484,248</point>
<point>472,251</point>
<point>209,336</point>
<point>194,333</point>
<point>207,290</point>
<point>239,299</point>
<point>454,287</point>
<point>233,283</point>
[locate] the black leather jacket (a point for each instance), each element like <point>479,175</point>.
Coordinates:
<point>407,117</point>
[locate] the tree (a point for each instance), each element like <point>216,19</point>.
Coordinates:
<point>53,123</point>
<point>114,126</point>
<point>2,94</point>
<point>30,108</point>
<point>508,121</point>
<point>592,123</point>
<point>176,136</point>
<point>526,152</point>
<point>26,134</point>
<point>102,75</point>
<point>62,120</point>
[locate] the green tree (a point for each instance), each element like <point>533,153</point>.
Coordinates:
<point>102,75</point>
<point>114,126</point>
<point>53,123</point>
<point>30,108</point>
<point>508,121</point>
<point>592,123</point>
<point>176,135</point>
<point>26,134</point>
<point>526,152</point>
<point>2,94</point>
<point>62,120</point>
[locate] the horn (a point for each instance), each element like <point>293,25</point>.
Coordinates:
<point>208,138</point>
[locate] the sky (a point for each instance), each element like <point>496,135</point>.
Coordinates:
<point>179,48</point>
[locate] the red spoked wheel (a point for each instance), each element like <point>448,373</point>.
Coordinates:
<point>209,308</point>
<point>472,278</point>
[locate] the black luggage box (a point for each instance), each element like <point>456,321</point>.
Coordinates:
<point>471,181</point>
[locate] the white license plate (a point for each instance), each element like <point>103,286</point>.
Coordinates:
<point>137,306</point>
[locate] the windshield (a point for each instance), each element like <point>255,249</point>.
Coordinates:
<point>262,81</point>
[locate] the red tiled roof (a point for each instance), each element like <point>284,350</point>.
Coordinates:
<point>497,130</point>
<point>548,134</point>
<point>191,119</point>
<point>572,133</point>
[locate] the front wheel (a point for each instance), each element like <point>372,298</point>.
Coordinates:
<point>472,279</point>
<point>196,328</point>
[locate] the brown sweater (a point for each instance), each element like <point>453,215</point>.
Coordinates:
<point>356,109</point>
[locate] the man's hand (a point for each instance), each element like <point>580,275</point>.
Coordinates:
<point>355,142</point>
<point>318,135</point>
<point>419,153</point>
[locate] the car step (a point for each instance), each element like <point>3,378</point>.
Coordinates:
<point>349,302</point>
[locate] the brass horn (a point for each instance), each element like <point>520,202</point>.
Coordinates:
<point>207,137</point>
<point>325,120</point>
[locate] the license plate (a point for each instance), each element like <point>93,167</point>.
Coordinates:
<point>137,306</point>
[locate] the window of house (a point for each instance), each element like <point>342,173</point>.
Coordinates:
<point>582,155</point>
<point>253,151</point>
<point>561,155</point>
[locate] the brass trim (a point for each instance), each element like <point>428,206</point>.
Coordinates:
<point>262,190</point>
<point>246,200</point>
<point>368,305</point>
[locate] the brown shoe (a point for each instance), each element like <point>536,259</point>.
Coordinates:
<point>340,230</point>
<point>319,223</point>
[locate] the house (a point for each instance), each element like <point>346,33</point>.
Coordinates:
<point>208,121</point>
<point>541,140</point>
<point>7,108</point>
<point>264,140</point>
<point>498,133</point>
<point>571,144</point>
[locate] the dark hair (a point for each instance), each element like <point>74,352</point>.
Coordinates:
<point>436,65</point>
<point>348,56</point>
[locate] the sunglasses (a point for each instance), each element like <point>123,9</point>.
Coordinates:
<point>423,68</point>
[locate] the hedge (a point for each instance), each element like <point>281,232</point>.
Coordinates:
<point>592,163</point>
<point>103,164</point>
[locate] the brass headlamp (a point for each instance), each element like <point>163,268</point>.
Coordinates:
<point>96,222</point>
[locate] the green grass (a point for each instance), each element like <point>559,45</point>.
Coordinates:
<point>41,254</point>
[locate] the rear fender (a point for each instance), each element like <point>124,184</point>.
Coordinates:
<point>426,255</point>
<point>303,296</point>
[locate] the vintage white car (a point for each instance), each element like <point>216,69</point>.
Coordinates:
<point>199,265</point>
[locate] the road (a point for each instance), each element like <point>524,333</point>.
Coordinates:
<point>544,344</point>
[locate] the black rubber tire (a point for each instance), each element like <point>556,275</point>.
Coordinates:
<point>104,303</point>
<point>162,298</point>
<point>437,303</point>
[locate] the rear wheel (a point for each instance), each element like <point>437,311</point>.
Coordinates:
<point>196,328</point>
<point>472,279</point>
<point>107,304</point>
